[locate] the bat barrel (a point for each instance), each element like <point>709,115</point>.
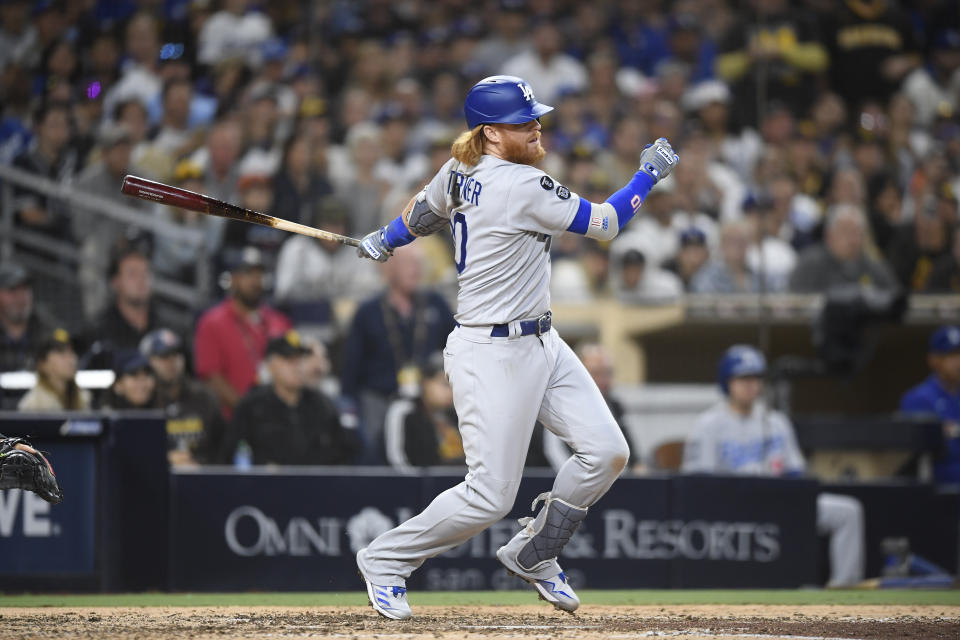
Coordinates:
<point>158,192</point>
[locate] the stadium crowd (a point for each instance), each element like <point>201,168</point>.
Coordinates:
<point>820,146</point>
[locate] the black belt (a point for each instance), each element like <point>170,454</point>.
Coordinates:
<point>535,327</point>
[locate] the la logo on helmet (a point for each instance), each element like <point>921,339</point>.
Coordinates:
<point>527,91</point>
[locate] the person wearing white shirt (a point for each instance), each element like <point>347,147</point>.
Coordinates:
<point>548,68</point>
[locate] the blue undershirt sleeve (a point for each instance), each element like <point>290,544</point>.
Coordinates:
<point>627,200</point>
<point>582,218</point>
<point>396,233</point>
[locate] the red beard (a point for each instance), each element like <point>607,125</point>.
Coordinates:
<point>520,152</point>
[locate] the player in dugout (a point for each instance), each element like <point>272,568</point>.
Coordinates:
<point>507,366</point>
<point>741,435</point>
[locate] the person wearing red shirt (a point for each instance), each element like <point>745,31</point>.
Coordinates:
<point>231,338</point>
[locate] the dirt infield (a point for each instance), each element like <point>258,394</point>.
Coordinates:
<point>527,622</point>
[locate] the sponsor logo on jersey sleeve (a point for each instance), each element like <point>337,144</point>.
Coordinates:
<point>562,192</point>
<point>547,183</point>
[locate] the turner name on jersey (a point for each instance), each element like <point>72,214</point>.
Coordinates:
<point>502,240</point>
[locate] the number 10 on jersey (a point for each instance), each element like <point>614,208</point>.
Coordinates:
<point>458,228</point>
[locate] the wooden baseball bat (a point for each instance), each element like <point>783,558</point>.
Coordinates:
<point>177,197</point>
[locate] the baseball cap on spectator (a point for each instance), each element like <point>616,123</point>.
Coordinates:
<point>188,170</point>
<point>130,362</point>
<point>287,346</point>
<point>135,247</point>
<point>330,210</point>
<point>56,340</point>
<point>273,50</point>
<point>256,169</point>
<point>312,106</point>
<point>633,257</point>
<point>248,259</point>
<point>112,134</point>
<point>13,275</point>
<point>683,22</point>
<point>42,6</point>
<point>161,342</point>
<point>947,39</point>
<point>433,366</point>
<point>945,340</point>
<point>692,236</point>
<point>704,93</point>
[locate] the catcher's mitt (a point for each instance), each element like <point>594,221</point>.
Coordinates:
<point>23,467</point>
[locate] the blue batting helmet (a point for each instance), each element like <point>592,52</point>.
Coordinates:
<point>740,361</point>
<point>502,99</point>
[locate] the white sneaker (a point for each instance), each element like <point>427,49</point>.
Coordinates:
<point>554,589</point>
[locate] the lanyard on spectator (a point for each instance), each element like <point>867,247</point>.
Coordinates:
<point>408,373</point>
<point>252,350</point>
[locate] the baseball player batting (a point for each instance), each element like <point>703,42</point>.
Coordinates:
<point>508,368</point>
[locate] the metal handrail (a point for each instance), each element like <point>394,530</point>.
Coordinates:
<point>100,205</point>
<point>190,296</point>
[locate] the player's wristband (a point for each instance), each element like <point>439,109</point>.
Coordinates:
<point>627,200</point>
<point>396,234</point>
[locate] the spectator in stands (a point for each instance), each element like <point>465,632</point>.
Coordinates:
<point>56,388</point>
<point>140,72</point>
<point>234,31</point>
<point>709,102</point>
<point>728,273</point>
<point>22,322</point>
<point>939,395</point>
<point>638,281</point>
<point>390,338</point>
<point>231,338</point>
<point>195,425</point>
<point>946,272</point>
<point>422,431</point>
<point>549,68</point>
<point>96,232</point>
<point>311,269</point>
<point>256,193</point>
<point>174,136</point>
<point>354,177</point>
<point>219,160</point>
<point>771,257</point>
<point>691,256</point>
<point>131,314</point>
<point>932,87</point>
<point>741,435</point>
<point>134,385</point>
<point>920,244</point>
<point>298,185</point>
<point>872,47</point>
<point>509,37</point>
<point>286,422</point>
<point>786,44</point>
<point>16,32</point>
<point>842,260</point>
<point>51,156</point>
<point>172,257</point>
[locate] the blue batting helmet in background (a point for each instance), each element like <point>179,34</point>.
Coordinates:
<point>740,361</point>
<point>504,100</point>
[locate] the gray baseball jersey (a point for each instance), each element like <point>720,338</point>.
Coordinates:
<point>502,216</point>
<point>723,441</point>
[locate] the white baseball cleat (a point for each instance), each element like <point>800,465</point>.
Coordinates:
<point>390,602</point>
<point>554,589</point>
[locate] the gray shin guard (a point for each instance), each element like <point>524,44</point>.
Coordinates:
<point>550,532</point>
